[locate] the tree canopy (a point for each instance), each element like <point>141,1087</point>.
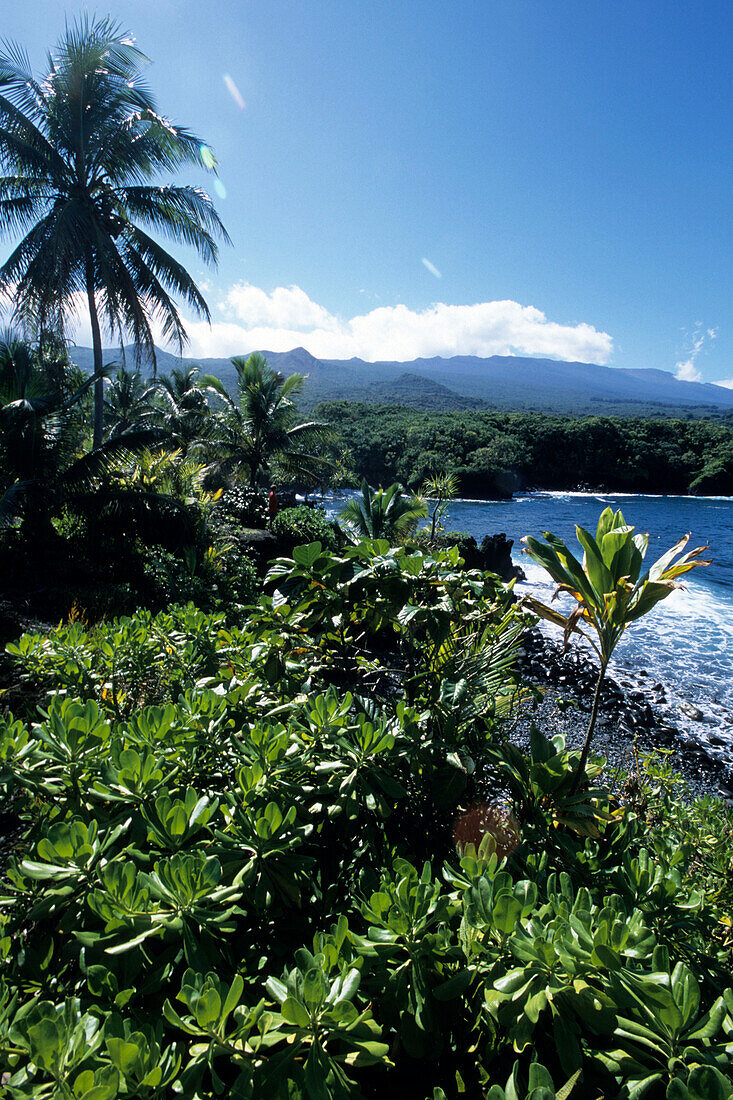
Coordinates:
<point>80,147</point>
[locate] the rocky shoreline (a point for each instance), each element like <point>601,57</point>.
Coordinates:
<point>633,720</point>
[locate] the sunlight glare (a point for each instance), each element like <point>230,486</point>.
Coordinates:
<point>207,157</point>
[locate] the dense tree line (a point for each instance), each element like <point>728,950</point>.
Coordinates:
<point>496,453</point>
<point>161,505</point>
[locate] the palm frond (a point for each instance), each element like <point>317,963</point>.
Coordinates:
<point>157,518</point>
<point>11,502</point>
<point>482,661</point>
<point>155,268</point>
<point>181,213</point>
<point>85,472</point>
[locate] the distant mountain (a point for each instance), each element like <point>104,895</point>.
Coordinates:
<point>417,393</point>
<point>467,381</point>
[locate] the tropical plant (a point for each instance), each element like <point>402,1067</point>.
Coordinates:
<point>537,1084</point>
<point>440,488</point>
<point>451,632</point>
<point>261,428</point>
<point>184,399</point>
<point>33,404</point>
<point>390,513</point>
<point>542,784</point>
<point>226,879</point>
<point>80,146</point>
<point>609,588</point>
<point>302,525</point>
<point>128,402</point>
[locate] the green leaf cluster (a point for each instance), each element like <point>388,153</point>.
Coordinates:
<point>234,874</point>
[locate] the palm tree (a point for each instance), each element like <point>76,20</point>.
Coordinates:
<point>383,513</point>
<point>184,398</point>
<point>81,147</point>
<point>40,437</point>
<point>128,402</point>
<point>36,403</point>
<point>261,429</point>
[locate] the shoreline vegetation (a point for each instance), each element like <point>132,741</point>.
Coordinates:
<point>287,810</point>
<point>495,454</point>
<point>368,787</point>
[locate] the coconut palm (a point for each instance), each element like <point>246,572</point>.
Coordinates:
<point>261,430</point>
<point>184,401</point>
<point>80,147</point>
<point>390,513</point>
<point>37,399</point>
<point>128,402</point>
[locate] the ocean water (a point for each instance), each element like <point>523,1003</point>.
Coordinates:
<point>686,642</point>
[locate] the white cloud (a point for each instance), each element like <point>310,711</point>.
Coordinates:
<point>727,382</point>
<point>287,307</point>
<point>251,319</point>
<point>685,370</point>
<point>255,319</point>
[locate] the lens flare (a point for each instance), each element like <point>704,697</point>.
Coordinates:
<point>207,157</point>
<point>234,91</point>
<point>431,268</point>
<point>220,189</point>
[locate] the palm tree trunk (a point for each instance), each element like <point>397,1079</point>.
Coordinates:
<point>98,364</point>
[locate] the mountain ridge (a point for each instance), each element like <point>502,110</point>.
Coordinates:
<point>463,381</point>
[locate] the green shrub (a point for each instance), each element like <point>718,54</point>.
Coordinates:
<point>211,579</point>
<point>300,525</point>
<point>234,876</point>
<point>242,506</point>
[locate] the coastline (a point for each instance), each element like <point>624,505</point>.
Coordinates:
<point>631,723</point>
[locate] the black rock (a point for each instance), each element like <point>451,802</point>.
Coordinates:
<point>692,712</point>
<point>496,557</point>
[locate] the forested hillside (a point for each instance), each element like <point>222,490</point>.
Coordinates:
<point>495,453</point>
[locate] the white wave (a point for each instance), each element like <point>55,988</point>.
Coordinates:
<point>619,496</point>
<point>686,642</point>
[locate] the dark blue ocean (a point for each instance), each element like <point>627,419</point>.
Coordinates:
<point>686,642</point>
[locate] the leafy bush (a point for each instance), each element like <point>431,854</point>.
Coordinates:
<point>243,506</point>
<point>234,872</point>
<point>126,663</point>
<point>210,579</point>
<point>300,525</point>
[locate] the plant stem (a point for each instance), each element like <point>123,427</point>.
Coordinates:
<point>434,520</point>
<point>591,725</point>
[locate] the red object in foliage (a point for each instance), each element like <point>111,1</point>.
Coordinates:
<point>486,817</point>
<point>273,504</point>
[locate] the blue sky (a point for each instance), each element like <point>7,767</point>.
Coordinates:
<point>404,178</point>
